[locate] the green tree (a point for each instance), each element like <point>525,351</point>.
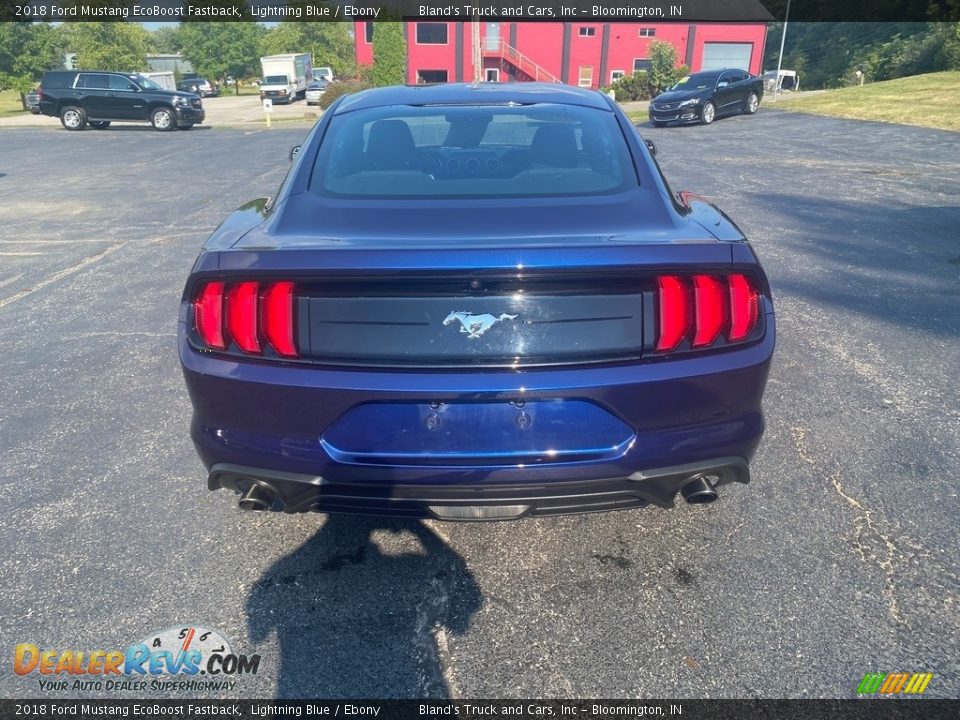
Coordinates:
<point>219,49</point>
<point>828,53</point>
<point>26,50</point>
<point>165,40</point>
<point>329,43</point>
<point>108,45</point>
<point>663,70</point>
<point>389,54</point>
<point>952,48</point>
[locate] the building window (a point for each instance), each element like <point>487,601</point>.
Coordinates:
<point>586,75</point>
<point>647,32</point>
<point>586,31</point>
<point>431,76</point>
<point>368,32</point>
<point>641,64</point>
<point>430,33</point>
<point>616,75</point>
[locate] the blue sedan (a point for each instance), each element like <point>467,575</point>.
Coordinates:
<point>475,302</point>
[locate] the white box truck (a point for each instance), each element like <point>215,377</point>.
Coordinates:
<point>285,77</point>
<point>166,80</point>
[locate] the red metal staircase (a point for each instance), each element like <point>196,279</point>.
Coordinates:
<point>506,52</point>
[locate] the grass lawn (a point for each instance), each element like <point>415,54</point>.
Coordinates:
<point>10,104</point>
<point>931,100</point>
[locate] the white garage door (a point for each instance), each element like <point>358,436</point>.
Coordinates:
<point>726,55</point>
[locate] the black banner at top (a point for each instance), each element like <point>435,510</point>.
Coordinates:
<point>186,709</point>
<point>687,11</point>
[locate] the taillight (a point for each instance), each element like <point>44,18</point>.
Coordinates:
<point>710,309</point>
<point>674,312</point>
<point>242,316</point>
<point>278,318</point>
<point>208,314</point>
<point>249,314</point>
<point>702,311</point>
<point>744,307</point>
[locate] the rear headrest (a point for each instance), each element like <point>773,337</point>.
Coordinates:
<point>555,145</point>
<point>390,137</point>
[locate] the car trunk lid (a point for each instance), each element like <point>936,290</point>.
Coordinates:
<point>463,286</point>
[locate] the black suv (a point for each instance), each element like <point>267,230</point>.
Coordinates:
<point>97,97</point>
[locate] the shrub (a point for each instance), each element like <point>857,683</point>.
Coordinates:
<point>336,89</point>
<point>632,87</point>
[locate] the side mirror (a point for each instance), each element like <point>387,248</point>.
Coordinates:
<point>651,147</point>
<point>294,151</point>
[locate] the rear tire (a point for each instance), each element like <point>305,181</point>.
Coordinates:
<point>73,117</point>
<point>99,124</point>
<point>753,102</point>
<point>163,119</point>
<point>709,113</point>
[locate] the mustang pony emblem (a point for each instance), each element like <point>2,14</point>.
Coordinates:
<point>475,325</point>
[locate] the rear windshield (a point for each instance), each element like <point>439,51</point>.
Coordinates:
<point>473,151</point>
<point>275,80</point>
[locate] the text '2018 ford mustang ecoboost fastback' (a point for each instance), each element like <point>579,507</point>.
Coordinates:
<point>475,302</point>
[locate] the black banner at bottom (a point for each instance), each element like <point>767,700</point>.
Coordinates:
<point>860,709</point>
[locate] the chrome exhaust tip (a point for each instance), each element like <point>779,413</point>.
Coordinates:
<point>258,498</point>
<point>700,491</point>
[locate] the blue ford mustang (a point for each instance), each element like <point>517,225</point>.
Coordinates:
<point>475,302</point>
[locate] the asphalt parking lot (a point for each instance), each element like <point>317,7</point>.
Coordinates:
<point>839,558</point>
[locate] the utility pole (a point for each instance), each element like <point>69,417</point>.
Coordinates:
<point>783,39</point>
<point>477,50</point>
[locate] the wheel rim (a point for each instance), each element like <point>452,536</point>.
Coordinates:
<point>162,119</point>
<point>708,113</point>
<point>71,118</point>
<point>753,102</point>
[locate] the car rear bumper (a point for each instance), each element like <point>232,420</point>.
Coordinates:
<point>294,492</point>
<point>384,441</point>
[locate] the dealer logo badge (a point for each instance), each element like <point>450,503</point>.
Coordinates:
<point>177,653</point>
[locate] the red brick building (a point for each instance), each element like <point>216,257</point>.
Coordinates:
<point>584,54</point>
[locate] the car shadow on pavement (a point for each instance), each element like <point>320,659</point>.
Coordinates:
<point>870,257</point>
<point>354,621</point>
